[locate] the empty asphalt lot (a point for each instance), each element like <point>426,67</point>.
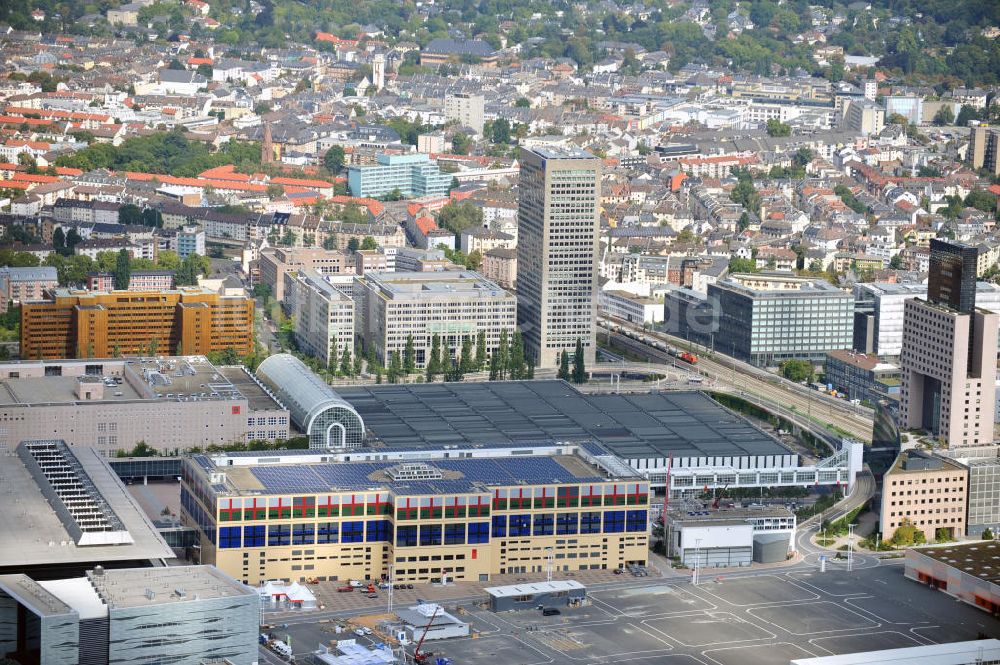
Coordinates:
<point>766,618</point>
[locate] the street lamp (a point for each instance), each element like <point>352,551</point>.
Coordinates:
<point>389,608</point>
<point>550,561</point>
<point>697,559</point>
<point>850,547</point>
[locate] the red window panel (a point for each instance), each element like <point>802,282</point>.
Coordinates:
<point>481,508</point>
<point>407,512</point>
<point>593,494</point>
<point>355,507</point>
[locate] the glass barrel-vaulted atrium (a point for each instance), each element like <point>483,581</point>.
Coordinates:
<point>328,420</point>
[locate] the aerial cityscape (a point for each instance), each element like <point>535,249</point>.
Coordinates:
<point>512,332</point>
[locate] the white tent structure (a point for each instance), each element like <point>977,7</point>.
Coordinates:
<point>275,594</point>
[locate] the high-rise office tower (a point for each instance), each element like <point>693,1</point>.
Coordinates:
<point>557,252</point>
<point>949,353</point>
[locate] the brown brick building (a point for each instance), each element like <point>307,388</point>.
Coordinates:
<point>186,321</point>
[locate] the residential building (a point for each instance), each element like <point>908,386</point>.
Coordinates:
<point>190,240</point>
<point>984,148</point>
<point>500,266</point>
<point>117,615</point>
<point>926,491</point>
<point>949,353</point>
<point>557,253</point>
<point>865,116</point>
<point>765,319</point>
<point>355,519</point>
<point>861,376</point>
<point>442,51</point>
<point>84,324</point>
<point>466,109</point>
<point>277,262</point>
<point>414,175</point>
<point>18,285</point>
<point>139,280</point>
<point>455,306</point>
<point>126,15</point>
<point>483,240</point>
<point>324,316</point>
<point>371,260</point>
<point>111,404</point>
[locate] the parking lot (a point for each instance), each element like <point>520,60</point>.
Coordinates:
<point>735,619</point>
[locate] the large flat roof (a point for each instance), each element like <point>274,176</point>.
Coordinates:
<point>679,424</point>
<point>130,587</point>
<point>32,534</point>
<point>953,653</point>
<point>981,559</point>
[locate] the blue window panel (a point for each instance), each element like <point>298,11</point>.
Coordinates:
<point>499,526</point>
<point>279,534</point>
<point>566,524</point>
<point>406,536</point>
<point>229,537</point>
<point>352,532</point>
<point>379,531</point>
<point>635,520</point>
<point>454,534</point>
<point>590,522</point>
<point>303,534</point>
<point>520,525</point>
<point>430,534</point>
<point>543,524</point>
<point>614,521</point>
<point>253,536</point>
<point>327,532</point>
<point>479,533</point>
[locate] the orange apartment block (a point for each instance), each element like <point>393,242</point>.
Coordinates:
<point>186,321</point>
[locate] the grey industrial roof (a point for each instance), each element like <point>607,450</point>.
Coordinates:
<point>32,534</point>
<point>681,424</point>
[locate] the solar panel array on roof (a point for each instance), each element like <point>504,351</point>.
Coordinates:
<point>356,475</point>
<point>682,424</point>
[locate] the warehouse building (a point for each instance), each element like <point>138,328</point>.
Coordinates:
<point>531,595</point>
<point>730,537</point>
<point>454,306</point>
<point>111,404</point>
<point>119,615</point>
<point>465,517</point>
<point>973,652</point>
<point>970,573</point>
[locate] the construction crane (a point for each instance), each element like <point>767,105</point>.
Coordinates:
<point>419,657</point>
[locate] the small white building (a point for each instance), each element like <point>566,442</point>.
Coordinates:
<point>631,307</point>
<point>442,624</point>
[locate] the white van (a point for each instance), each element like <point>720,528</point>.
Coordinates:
<point>281,648</point>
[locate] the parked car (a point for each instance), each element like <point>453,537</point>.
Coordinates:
<point>356,584</point>
<point>550,611</point>
<point>345,589</point>
<point>359,632</point>
<point>409,586</point>
<point>371,594</point>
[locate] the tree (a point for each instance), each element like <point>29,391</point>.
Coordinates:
<point>481,351</point>
<point>457,217</point>
<point>59,241</point>
<point>409,356</point>
<point>345,362</point>
<point>333,160</point>
<point>129,214</point>
<point>981,200</point>
<point>563,366</point>
<point>368,243</point>
<point>466,362</point>
<point>944,116</point>
<point>740,265</point>
<point>123,270</point>
<point>262,290</point>
<point>966,114</point>
<point>579,371</point>
<point>501,355</point>
<point>274,191</point>
<point>777,128</point>
<point>987,534</point>
<point>797,370</point>
<point>353,245</point>
<point>433,360</point>
<point>333,366</point>
<point>175,64</point>
<point>395,368</point>
<point>896,262</point>
<point>460,144</point>
<point>358,359</point>
<point>523,103</point>
<point>516,361</point>
<point>168,260</point>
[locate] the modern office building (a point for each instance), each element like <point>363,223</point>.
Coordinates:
<point>924,490</point>
<point>414,175</point>
<point>196,614</point>
<point>454,305</point>
<point>139,280</point>
<point>323,314</point>
<point>316,410</point>
<point>765,319</point>
<point>983,463</point>
<point>466,109</point>
<point>278,262</point>
<point>984,148</point>
<point>967,572</point>
<point>557,253</point>
<point>949,353</point>
<point>20,284</point>
<point>185,321</point>
<point>111,404</point>
<point>865,116</point>
<point>861,376</point>
<point>879,328</point>
<point>468,518</point>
